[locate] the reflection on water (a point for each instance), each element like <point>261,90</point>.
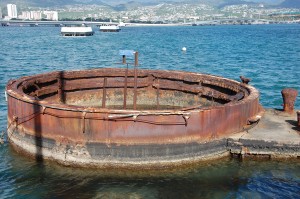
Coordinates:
<point>225,178</point>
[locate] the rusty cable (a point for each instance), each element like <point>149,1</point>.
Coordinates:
<point>163,112</point>
<point>151,122</point>
<point>15,119</point>
<point>134,118</point>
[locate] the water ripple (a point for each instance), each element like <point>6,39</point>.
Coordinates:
<point>269,55</point>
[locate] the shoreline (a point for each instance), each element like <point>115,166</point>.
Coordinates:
<point>229,22</point>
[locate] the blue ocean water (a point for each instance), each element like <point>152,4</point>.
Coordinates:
<point>268,54</point>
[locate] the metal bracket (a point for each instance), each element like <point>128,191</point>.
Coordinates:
<point>15,119</point>
<point>44,109</point>
<point>186,117</point>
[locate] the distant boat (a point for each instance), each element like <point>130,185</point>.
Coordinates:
<point>122,24</point>
<point>5,24</point>
<point>77,31</point>
<point>109,28</point>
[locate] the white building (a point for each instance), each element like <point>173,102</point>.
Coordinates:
<point>35,15</point>
<point>25,15</point>
<point>51,15</point>
<point>38,15</point>
<point>12,11</point>
<point>0,13</point>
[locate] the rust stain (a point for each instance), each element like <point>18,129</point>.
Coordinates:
<point>289,96</point>
<point>298,118</point>
<point>114,106</point>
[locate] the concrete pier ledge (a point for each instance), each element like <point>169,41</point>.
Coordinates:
<point>277,135</point>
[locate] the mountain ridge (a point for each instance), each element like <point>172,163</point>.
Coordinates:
<point>290,4</point>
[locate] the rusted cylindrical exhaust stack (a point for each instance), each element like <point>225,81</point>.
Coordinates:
<point>289,97</point>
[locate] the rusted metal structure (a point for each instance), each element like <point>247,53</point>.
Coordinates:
<point>127,118</point>
<point>289,96</point>
<point>298,118</point>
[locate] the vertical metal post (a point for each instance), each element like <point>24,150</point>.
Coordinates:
<point>125,87</point>
<point>298,118</point>
<point>83,122</point>
<point>157,95</point>
<point>59,89</point>
<point>123,59</point>
<point>135,88</point>
<point>135,79</point>
<point>136,58</point>
<point>104,92</point>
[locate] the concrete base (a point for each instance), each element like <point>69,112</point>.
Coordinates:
<point>141,157</point>
<point>275,136</point>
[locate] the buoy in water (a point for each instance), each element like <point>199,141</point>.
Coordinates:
<point>183,49</point>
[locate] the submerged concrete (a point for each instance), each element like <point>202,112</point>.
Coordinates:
<point>275,136</point>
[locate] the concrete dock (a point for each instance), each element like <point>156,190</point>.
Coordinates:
<point>276,135</point>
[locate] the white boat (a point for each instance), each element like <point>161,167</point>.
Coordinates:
<point>122,24</point>
<point>110,28</point>
<point>74,31</point>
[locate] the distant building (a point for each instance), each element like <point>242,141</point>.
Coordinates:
<point>38,15</point>
<point>1,13</point>
<point>51,15</point>
<point>12,11</point>
<point>35,15</point>
<point>25,15</point>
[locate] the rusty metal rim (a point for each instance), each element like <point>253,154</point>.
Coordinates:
<point>15,93</point>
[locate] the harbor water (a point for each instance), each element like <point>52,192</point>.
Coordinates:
<point>267,54</point>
